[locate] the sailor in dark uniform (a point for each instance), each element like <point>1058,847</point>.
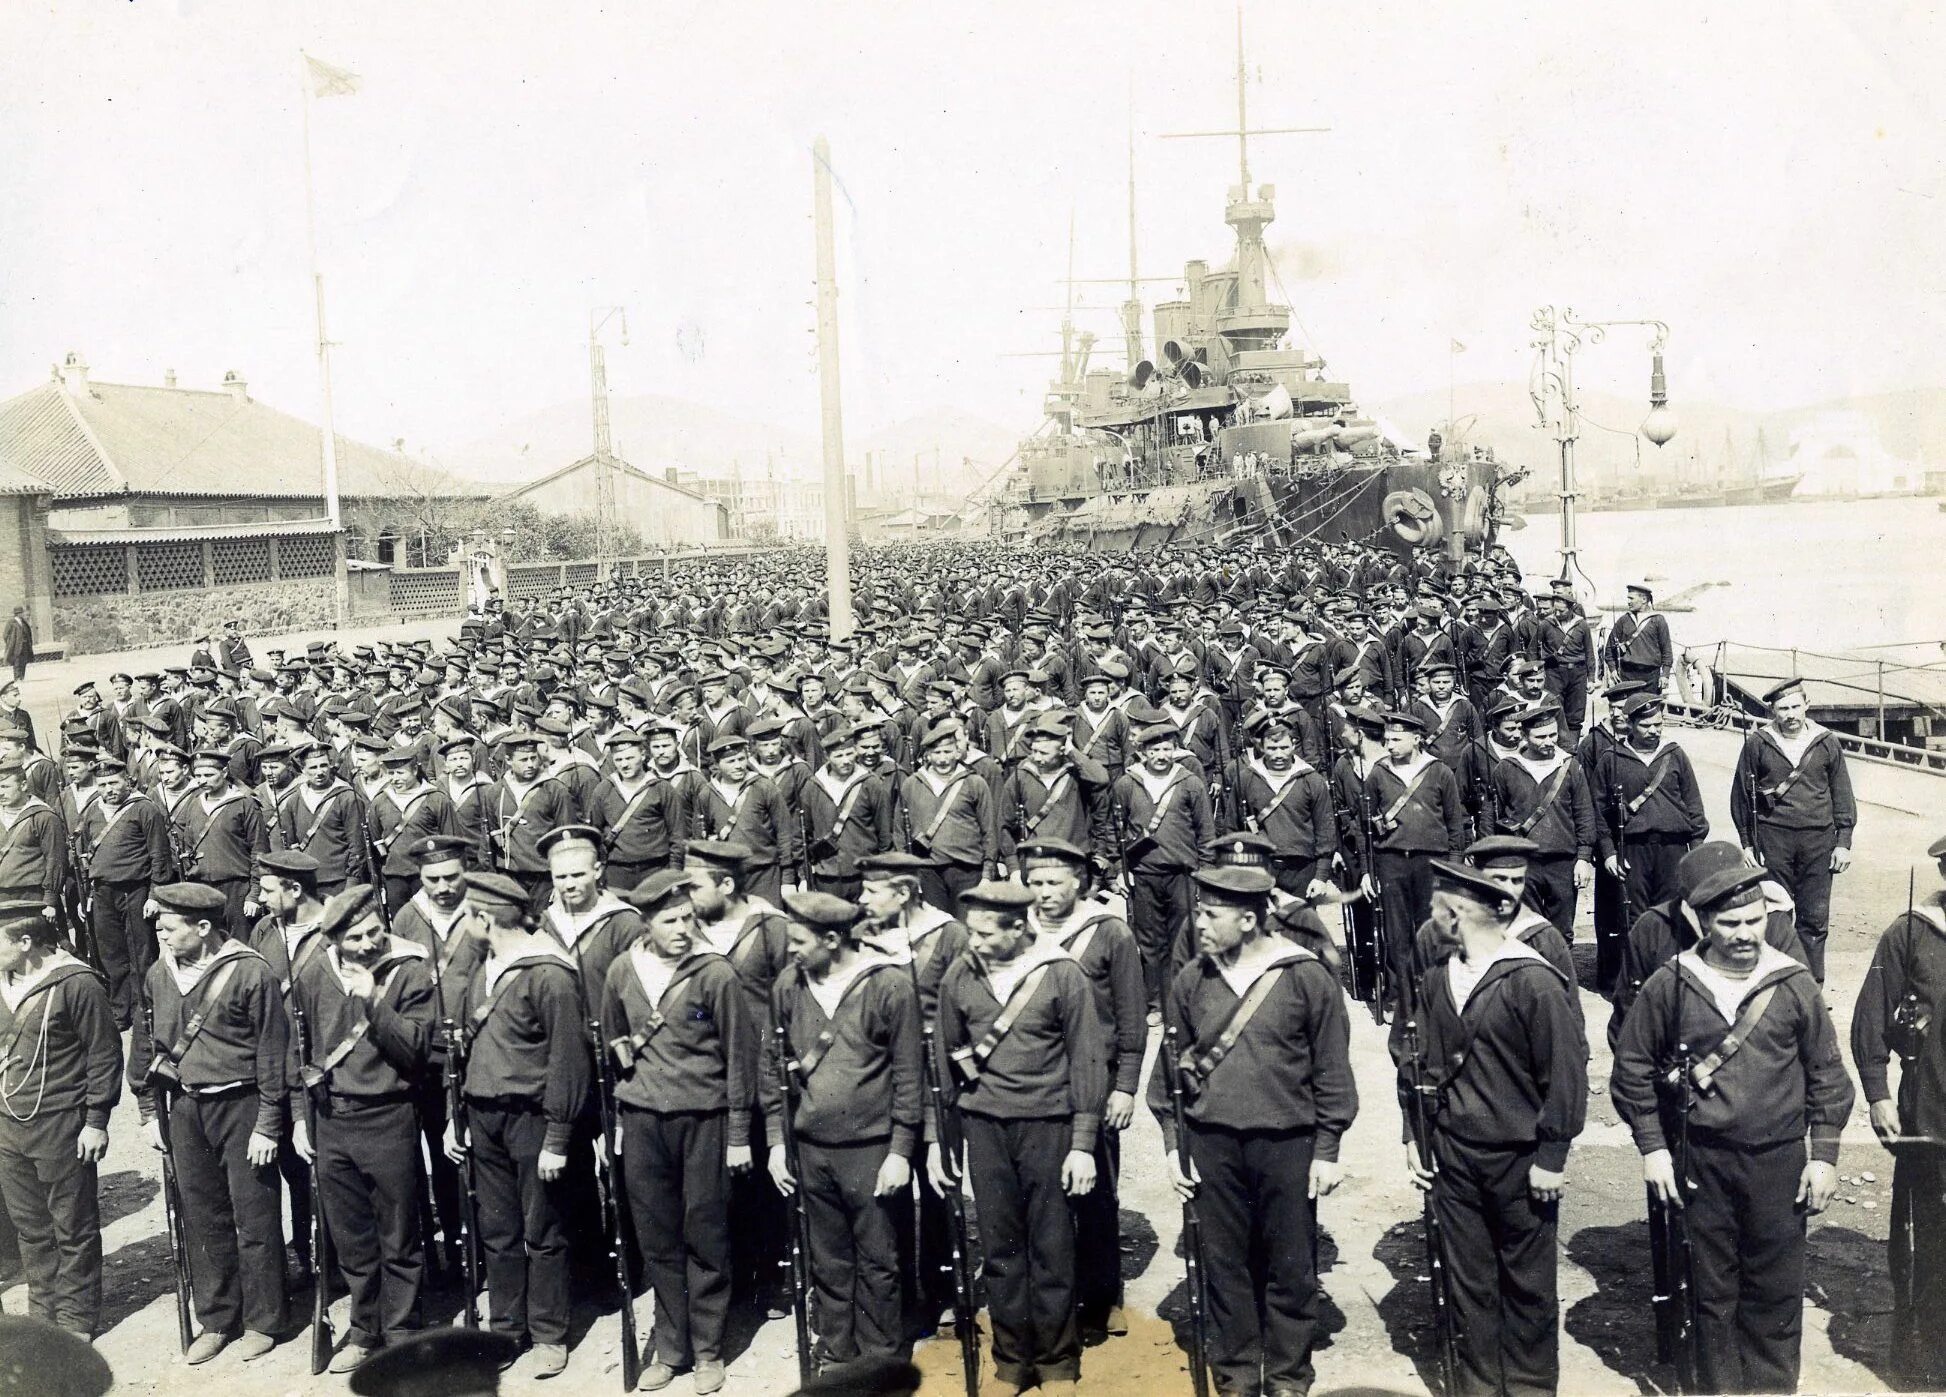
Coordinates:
<point>219,1052</point>
<point>60,1077</point>
<point>1648,806</point>
<point>1417,815</point>
<point>1899,1012</point>
<point>675,1019</point>
<point>1265,1043</point>
<point>435,917</point>
<point>924,940</point>
<point>1055,872</point>
<point>1029,1097</point>
<point>1638,644</point>
<point>1792,805</point>
<point>1505,1064</point>
<point>848,1028</point>
<point>526,1084</point>
<point>1734,1038</point>
<point>367,1002</point>
<point>1541,794</point>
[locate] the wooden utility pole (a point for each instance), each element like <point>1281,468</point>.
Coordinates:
<point>837,556</point>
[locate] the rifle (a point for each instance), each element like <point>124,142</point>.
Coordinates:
<point>1674,1297</point>
<point>75,903</point>
<point>451,1072</point>
<point>1619,802</point>
<point>611,1204</point>
<point>804,853</point>
<point>1192,1225</point>
<point>798,1253</point>
<point>1911,1020</point>
<point>310,1080</point>
<point>1381,971</point>
<point>171,1198</point>
<point>945,1113</point>
<point>1419,1094</point>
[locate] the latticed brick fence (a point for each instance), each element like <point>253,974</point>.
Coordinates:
<point>134,592</point>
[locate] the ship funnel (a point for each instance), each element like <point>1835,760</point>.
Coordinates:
<point>1144,371</point>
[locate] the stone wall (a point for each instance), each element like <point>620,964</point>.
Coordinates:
<point>91,625</point>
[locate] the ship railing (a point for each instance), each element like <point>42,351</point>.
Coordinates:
<point>1725,716</point>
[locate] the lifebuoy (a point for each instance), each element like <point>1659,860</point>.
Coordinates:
<point>1473,514</point>
<point>1414,517</point>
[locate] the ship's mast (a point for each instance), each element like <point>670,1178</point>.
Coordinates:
<point>1132,307</point>
<point>1250,321</point>
<point>1067,313</point>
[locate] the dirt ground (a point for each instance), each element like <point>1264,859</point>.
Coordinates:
<point>1377,1330</point>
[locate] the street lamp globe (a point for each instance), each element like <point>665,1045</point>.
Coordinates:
<point>1660,425</point>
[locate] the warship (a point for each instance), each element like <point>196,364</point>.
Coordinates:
<point>1229,431</point>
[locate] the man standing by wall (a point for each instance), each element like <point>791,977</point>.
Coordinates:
<point>17,643</point>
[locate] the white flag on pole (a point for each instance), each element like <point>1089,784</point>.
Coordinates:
<point>1457,347</point>
<point>327,81</point>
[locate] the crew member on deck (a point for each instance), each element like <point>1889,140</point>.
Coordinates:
<point>1792,804</point>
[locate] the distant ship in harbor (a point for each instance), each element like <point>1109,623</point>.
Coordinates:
<point>1697,488</point>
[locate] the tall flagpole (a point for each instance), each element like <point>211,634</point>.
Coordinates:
<point>837,545</point>
<point>328,432</point>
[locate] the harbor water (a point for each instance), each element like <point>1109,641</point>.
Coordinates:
<point>1835,576</point>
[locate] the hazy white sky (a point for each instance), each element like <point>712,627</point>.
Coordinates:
<point>1767,175</point>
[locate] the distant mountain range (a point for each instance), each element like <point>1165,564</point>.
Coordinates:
<point>949,451</point>
<point>1710,438</point>
<point>655,433</point>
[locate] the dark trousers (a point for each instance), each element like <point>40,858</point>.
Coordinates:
<point>232,1214</point>
<point>399,890</point>
<point>1800,859</point>
<point>621,875</point>
<point>1649,870</point>
<point>1551,890</point>
<point>677,1180</point>
<point>523,1231</point>
<point>1650,675</point>
<point>1746,1246</point>
<point>1260,1265</point>
<point>1570,690</point>
<point>1027,1245</point>
<point>1611,930</point>
<point>368,1170</point>
<point>757,1242</point>
<point>1501,1267</point>
<point>1159,915</point>
<point>765,881</point>
<point>53,1201</point>
<point>854,1250</point>
<point>1918,1284</point>
<point>236,891</point>
<point>847,888</point>
<point>1404,901</point>
<point>942,886</point>
<point>297,1180</point>
<point>125,942</point>
<point>925,1257</point>
<point>1098,1236</point>
<point>1294,873</point>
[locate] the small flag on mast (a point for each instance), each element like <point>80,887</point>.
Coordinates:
<point>1457,347</point>
<point>327,81</point>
